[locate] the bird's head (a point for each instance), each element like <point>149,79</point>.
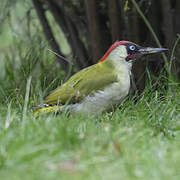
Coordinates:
<point>129,51</point>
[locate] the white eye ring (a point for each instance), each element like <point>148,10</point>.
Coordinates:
<point>132,47</point>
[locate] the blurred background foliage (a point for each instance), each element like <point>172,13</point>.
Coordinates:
<point>81,31</point>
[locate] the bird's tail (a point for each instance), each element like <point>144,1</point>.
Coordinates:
<point>45,108</point>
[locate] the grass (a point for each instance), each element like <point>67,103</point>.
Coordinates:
<point>137,141</point>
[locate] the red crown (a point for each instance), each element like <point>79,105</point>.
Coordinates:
<point>113,46</point>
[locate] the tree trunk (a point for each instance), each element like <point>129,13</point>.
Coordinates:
<point>48,33</point>
<point>94,28</point>
<point>167,25</point>
<point>114,18</point>
<point>138,35</point>
<point>71,33</point>
<point>177,17</point>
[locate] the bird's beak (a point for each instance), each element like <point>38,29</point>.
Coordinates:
<point>148,50</point>
<point>145,51</point>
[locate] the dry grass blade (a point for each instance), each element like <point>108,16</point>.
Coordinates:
<point>9,117</point>
<point>26,98</point>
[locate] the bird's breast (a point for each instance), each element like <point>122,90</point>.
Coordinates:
<point>104,99</point>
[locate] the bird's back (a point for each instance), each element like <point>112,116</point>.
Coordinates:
<point>85,82</point>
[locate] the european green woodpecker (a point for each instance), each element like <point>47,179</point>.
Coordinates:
<point>99,87</point>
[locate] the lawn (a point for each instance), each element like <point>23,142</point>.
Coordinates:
<point>138,141</point>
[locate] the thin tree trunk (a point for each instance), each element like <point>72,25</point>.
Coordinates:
<point>177,17</point>
<point>114,18</point>
<point>94,28</point>
<point>80,50</point>
<point>155,18</point>
<point>176,63</point>
<point>48,33</point>
<point>138,35</point>
<point>154,15</point>
<point>167,25</point>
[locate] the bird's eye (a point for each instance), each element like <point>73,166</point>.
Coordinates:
<point>132,47</point>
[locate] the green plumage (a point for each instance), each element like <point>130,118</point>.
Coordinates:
<point>83,83</point>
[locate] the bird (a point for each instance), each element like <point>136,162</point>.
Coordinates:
<point>99,87</point>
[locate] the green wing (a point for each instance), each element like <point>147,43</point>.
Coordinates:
<point>83,83</point>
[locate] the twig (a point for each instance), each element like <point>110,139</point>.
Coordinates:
<point>67,60</point>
